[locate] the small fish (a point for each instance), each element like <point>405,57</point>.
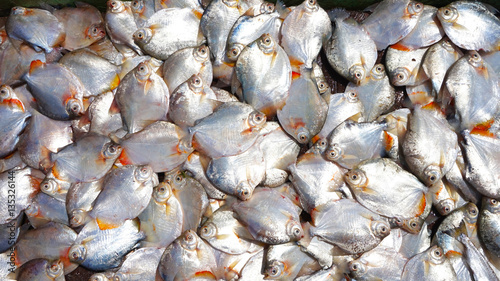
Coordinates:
<point>429,265</point>
<point>240,125</point>
<point>391,21</point>
<point>304,31</point>
<point>470,25</point>
<point>142,10</point>
<point>80,200</point>
<point>404,65</point>
<point>38,27</point>
<point>140,264</point>
<point>44,209</point>
<point>427,31</point>
<point>55,99</point>
<point>120,24</point>
<point>169,30</point>
<point>14,119</point>
<point>41,270</point>
<point>350,51</point>
<point>287,261</point>
<point>270,217</point>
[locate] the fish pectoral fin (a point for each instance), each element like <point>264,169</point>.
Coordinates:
<point>105,225</point>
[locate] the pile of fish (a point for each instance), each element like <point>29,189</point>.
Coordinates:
<point>187,140</point>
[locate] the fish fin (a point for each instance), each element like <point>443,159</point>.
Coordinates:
<point>204,275</point>
<point>105,225</point>
<point>459,27</point>
<point>281,8</point>
<point>421,205</point>
<point>400,47</point>
<point>483,129</point>
<point>197,13</point>
<point>35,182</point>
<point>124,159</point>
<point>115,82</point>
<point>46,162</point>
<point>114,109</point>
<point>34,65</point>
<point>338,14</point>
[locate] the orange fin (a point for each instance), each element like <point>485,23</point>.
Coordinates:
<point>389,141</point>
<point>204,275</point>
<point>421,206</point>
<point>483,129</point>
<point>35,64</point>
<point>103,225</point>
<point>400,47</point>
<point>295,75</point>
<point>115,82</point>
<point>124,160</point>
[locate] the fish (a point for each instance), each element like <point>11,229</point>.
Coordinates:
<point>427,31</point>
<point>120,24</point>
<point>38,27</point>
<point>470,25</point>
<point>14,118</point>
<point>404,65</point>
<point>41,270</point>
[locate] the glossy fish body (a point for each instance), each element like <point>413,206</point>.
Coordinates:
<point>142,11</point>
<point>427,31</point>
<point>429,265</point>
<point>92,249</point>
<point>375,93</point>
<point>192,101</point>
<point>80,200</point>
<point>44,209</point>
<point>134,195</point>
<point>15,61</point>
<point>305,111</point>
<point>162,219</point>
<point>162,145</point>
<point>288,261</point>
<point>305,29</point>
<point>270,217</point>
<point>188,257</point>
<point>316,179</point>
<point>482,163</point>
<point>391,21</point>
<point>385,188</point>
<point>142,97</point>
<point>474,87</point>
<point>58,92</point>
<point>13,120</point>
<point>404,65</point>
<point>184,63</point>
<point>350,51</point>
<point>43,136</point>
<point>38,27</point>
<point>41,270</point>
<point>380,263</point>
<point>350,143</point>
<point>428,158</point>
<point>140,264</point>
<point>83,25</point>
<point>437,61</point>
<point>88,159</point>
<point>97,74</point>
<point>240,131</point>
<point>488,225</point>
<point>120,24</point>
<point>169,30</point>
<point>238,175</point>
<point>102,121</point>
<point>196,165</point>
<point>366,229</point>
<point>264,71</point>
<point>470,25</point>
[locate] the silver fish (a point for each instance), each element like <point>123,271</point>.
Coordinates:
<point>41,270</point>
<point>427,31</point>
<point>429,265</point>
<point>437,61</point>
<point>120,24</point>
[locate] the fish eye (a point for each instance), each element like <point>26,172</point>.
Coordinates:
<point>413,224</point>
<point>379,69</point>
<point>302,137</point>
<point>493,202</point>
<point>446,209</point>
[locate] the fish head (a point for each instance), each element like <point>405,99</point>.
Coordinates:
<point>9,98</point>
<point>115,6</point>
<point>95,32</point>
<point>274,270</point>
<point>432,174</point>
<point>413,225</point>
<point>380,229</point>
<point>294,230</point>
<point>142,72</point>
<point>77,253</point>
<point>143,173</point>
<point>138,6</point>
<point>195,83</point>
<point>49,186</point>
<point>445,206</point>
<point>266,44</point>
<point>356,178</point>
<point>378,72</point>
<point>17,10</point>
<point>267,8</point>
<point>475,59</point>
<point>143,36</point>
<point>111,150</point>
<point>334,152</point>
<point>244,191</point>
<point>357,73</point>
<point>74,108</point>
<point>162,192</point>
<point>302,135</point>
<point>189,240</point>
<point>400,76</point>
<point>447,14</point>
<point>98,277</point>
<point>415,8</point>
<point>471,213</point>
<point>311,5</point>
<point>491,204</point>
<point>77,217</point>
<point>256,119</point>
<point>357,268</point>
<point>32,210</point>
<point>54,269</point>
<point>322,85</point>
<point>435,255</point>
<point>208,230</point>
<point>202,53</point>
<point>234,51</point>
